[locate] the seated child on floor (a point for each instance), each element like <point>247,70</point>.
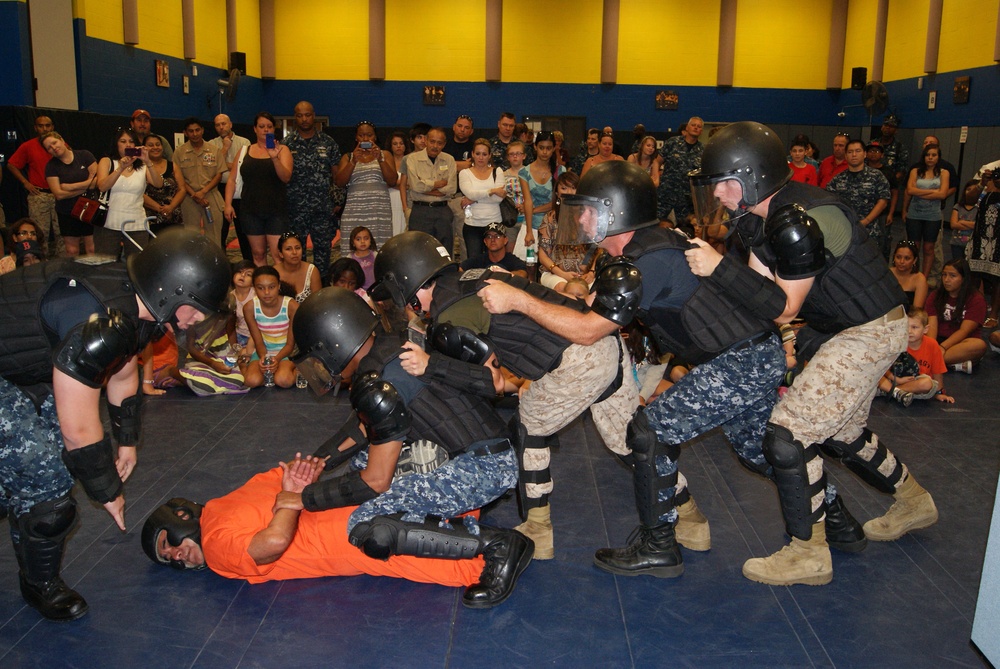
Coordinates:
<point>242,293</point>
<point>269,317</point>
<point>919,373</point>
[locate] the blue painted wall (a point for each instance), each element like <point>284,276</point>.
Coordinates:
<point>116,79</point>
<point>16,87</point>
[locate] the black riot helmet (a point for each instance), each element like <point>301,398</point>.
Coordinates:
<point>405,263</point>
<point>748,153</point>
<point>612,198</point>
<point>179,268</point>
<point>329,328</point>
<point>797,241</point>
<point>181,519</point>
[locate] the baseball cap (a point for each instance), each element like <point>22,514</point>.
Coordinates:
<point>28,247</point>
<point>495,227</point>
<point>141,112</point>
<point>876,146</point>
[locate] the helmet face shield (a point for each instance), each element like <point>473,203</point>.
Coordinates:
<point>716,199</point>
<point>584,219</point>
<point>316,374</point>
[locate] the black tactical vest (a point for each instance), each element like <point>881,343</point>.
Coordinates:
<point>708,323</point>
<point>851,290</point>
<point>439,413</point>
<point>25,344</point>
<point>522,345</point>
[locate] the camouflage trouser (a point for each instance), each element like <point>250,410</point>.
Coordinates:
<point>464,483</point>
<point>322,225</point>
<point>42,210</point>
<point>31,467</point>
<point>673,196</point>
<point>736,390</point>
<point>555,400</point>
<point>833,394</point>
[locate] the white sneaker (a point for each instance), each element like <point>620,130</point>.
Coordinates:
<point>964,367</point>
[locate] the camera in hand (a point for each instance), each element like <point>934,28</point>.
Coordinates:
<point>366,145</point>
<point>133,151</point>
<point>269,140</point>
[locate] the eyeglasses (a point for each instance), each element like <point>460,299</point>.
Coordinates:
<point>515,153</point>
<point>27,232</point>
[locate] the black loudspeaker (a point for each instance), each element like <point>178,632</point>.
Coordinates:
<point>238,61</point>
<point>859,77</point>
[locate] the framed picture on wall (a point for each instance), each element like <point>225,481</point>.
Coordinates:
<point>667,100</point>
<point>434,95</point>
<point>961,95</point>
<point>162,74</point>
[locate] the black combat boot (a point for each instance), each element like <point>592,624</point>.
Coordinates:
<point>651,551</point>
<point>41,586</point>
<point>507,553</point>
<point>843,532</point>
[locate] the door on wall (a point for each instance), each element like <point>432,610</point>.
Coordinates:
<point>53,53</point>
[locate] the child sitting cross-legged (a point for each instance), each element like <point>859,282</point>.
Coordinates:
<point>919,373</point>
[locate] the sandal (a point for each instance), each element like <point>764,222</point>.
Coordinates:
<point>990,322</point>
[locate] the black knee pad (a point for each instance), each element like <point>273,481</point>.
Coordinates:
<point>788,459</point>
<point>646,447</point>
<point>51,520</point>
<point>866,470</point>
<point>522,442</point>
<point>385,536</point>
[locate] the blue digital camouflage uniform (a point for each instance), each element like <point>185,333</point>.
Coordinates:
<point>31,466</point>
<point>674,192</point>
<point>894,155</point>
<point>736,390</point>
<point>469,480</point>
<point>498,152</point>
<point>861,191</point>
<point>310,206</point>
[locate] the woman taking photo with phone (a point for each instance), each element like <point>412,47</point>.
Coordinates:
<point>263,170</point>
<point>125,172</point>
<point>367,172</point>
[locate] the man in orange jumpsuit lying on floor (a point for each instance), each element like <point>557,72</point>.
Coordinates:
<point>259,533</point>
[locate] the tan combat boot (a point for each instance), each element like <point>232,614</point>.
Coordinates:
<point>800,562</point>
<point>692,531</point>
<point>538,528</point>
<point>913,509</point>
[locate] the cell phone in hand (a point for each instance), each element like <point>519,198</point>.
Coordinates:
<point>366,145</point>
<point>133,151</point>
<point>269,140</point>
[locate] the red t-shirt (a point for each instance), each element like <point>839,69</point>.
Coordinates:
<point>805,174</point>
<point>320,547</point>
<point>929,357</point>
<point>36,158</point>
<point>829,169</point>
<point>949,322</point>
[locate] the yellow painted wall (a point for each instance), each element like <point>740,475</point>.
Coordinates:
<point>968,33</point>
<point>767,33</point>
<point>322,39</point>
<point>859,50</point>
<point>248,34</point>
<point>555,41</point>
<point>779,43</point>
<point>905,39</point>
<point>430,40</point>
<point>161,28</point>
<point>666,43</point>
